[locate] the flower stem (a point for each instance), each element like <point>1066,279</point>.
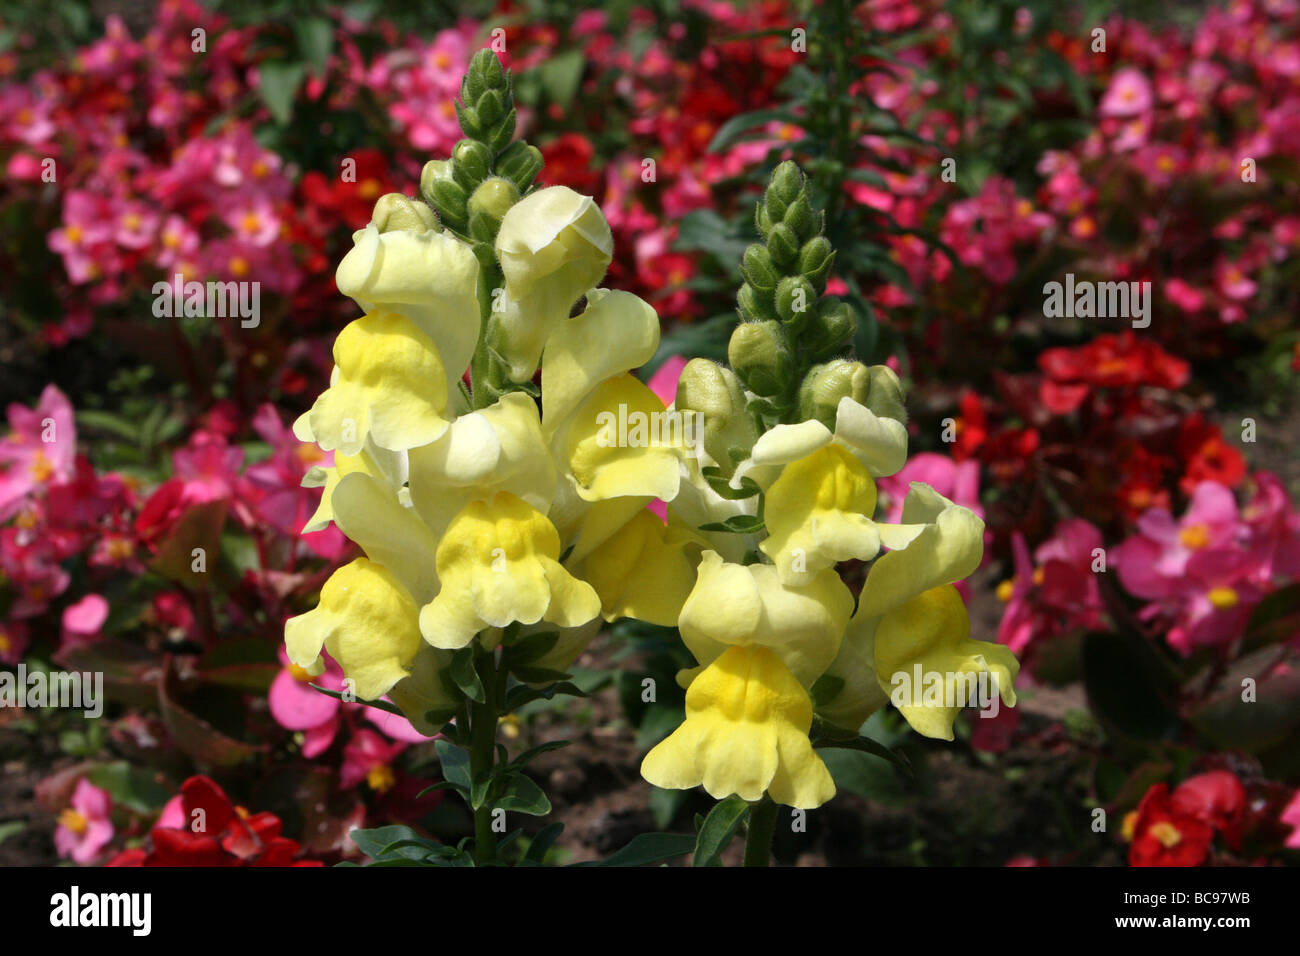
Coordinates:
<point>762,824</point>
<point>482,754</point>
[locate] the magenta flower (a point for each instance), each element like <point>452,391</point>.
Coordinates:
<point>41,449</point>
<point>1056,592</point>
<point>82,622</point>
<point>1129,94</point>
<point>1291,817</point>
<point>296,705</point>
<point>84,827</point>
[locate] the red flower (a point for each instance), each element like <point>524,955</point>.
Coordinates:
<point>353,198</point>
<point>216,833</point>
<point>1208,456</point>
<point>1108,361</point>
<point>1166,835</point>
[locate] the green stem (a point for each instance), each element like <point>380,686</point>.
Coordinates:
<point>758,840</point>
<point>482,754</point>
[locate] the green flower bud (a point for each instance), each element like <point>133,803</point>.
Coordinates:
<point>885,395</point>
<point>504,131</point>
<point>799,216</point>
<point>758,270</point>
<point>715,392</point>
<point>471,163</point>
<point>831,329</point>
<point>824,386</point>
<point>434,169</point>
<point>786,184</point>
<point>815,261</point>
<point>754,304</point>
<point>796,301</point>
<point>493,199</point>
<point>520,163</point>
<point>395,213</point>
<point>762,221</point>
<point>490,106</point>
<point>783,245</point>
<point>759,354</point>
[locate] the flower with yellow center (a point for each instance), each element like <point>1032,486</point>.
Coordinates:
<point>388,384</point>
<point>1194,537</point>
<point>380,777</point>
<point>73,820</point>
<point>819,512</point>
<point>499,563</point>
<point>745,733</point>
<point>1223,598</point>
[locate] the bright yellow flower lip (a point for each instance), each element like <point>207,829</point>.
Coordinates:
<point>819,512</point>
<point>498,563</point>
<point>389,383</point>
<point>748,604</point>
<point>641,571</point>
<point>929,636</point>
<point>746,733</point>
<point>368,622</point>
<point>622,443</point>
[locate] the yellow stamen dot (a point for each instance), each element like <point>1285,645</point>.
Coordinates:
<point>1006,589</point>
<point>119,549</point>
<point>6,645</point>
<point>73,820</point>
<point>73,233</point>
<point>243,813</point>
<point>1038,577</point>
<point>510,725</point>
<point>1129,826</point>
<point>1223,598</point>
<point>239,266</point>
<point>370,188</point>
<point>250,222</point>
<point>1166,833</point>
<point>300,674</point>
<point>380,778</point>
<point>1195,536</point>
<point>41,468</point>
<point>308,454</point>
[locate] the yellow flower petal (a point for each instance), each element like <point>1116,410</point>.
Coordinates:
<point>642,571</point>
<point>368,622</point>
<point>389,385</point>
<point>620,442</point>
<point>498,564</point>
<point>748,604</point>
<point>926,661</point>
<point>367,511</point>
<point>819,512</point>
<point>745,733</point>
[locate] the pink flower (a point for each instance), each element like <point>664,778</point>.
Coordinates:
<point>1056,592</point>
<point>369,757</point>
<point>83,621</point>
<point>296,705</point>
<point>40,449</point>
<point>957,481</point>
<point>1129,94</point>
<point>13,641</point>
<point>84,827</point>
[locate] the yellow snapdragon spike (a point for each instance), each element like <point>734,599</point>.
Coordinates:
<point>857,692</point>
<point>617,332</point>
<point>642,571</point>
<point>368,511</point>
<point>937,543</point>
<point>368,622</point>
<point>585,525</point>
<point>389,467</point>
<point>620,442</point>
<point>498,563</point>
<point>426,275</point>
<point>554,245</point>
<point>924,646</point>
<point>388,384</point>
<point>819,512</point>
<point>748,604</point>
<point>746,733</point>
<point>499,448</point>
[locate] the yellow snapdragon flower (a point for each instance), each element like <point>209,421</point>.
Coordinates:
<point>499,563</point>
<point>745,733</point>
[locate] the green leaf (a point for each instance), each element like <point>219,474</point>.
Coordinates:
<point>136,789</point>
<point>523,694</point>
<point>1128,689</point>
<point>538,675</point>
<point>648,848</point>
<point>466,677</point>
<point>868,746</point>
<point>383,705</point>
<point>721,484</point>
<point>372,842</point>
<point>534,752</point>
<point>719,827</point>
<point>278,84</point>
<point>561,75</point>
<point>531,647</point>
<point>523,795</point>
<point>315,41</point>
<point>455,764</point>
<point>733,129</point>
<point>736,524</point>
<point>1275,619</point>
<point>11,828</point>
<point>541,843</point>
